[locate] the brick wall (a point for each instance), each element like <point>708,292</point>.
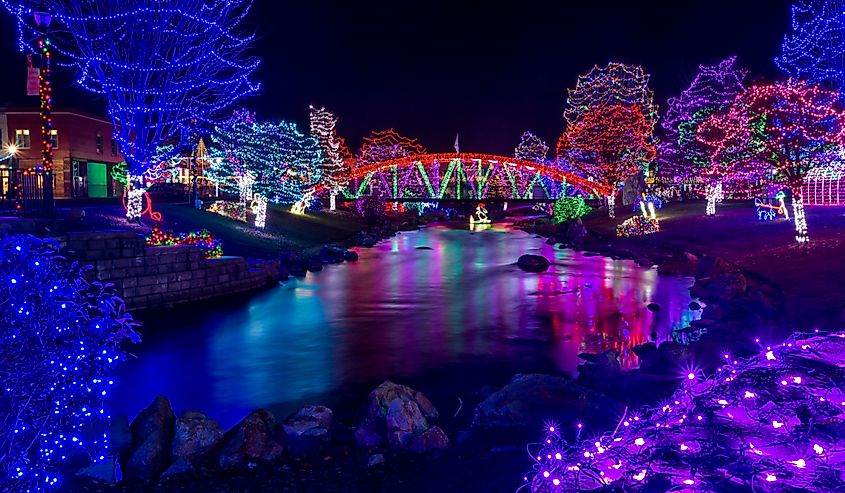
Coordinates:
<point>153,277</point>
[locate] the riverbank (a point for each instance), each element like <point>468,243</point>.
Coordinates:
<point>807,275</point>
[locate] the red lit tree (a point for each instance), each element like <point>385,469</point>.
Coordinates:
<point>610,106</point>
<point>609,144</point>
<point>793,126</point>
<point>384,145</point>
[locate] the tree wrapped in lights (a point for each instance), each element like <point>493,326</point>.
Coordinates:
<point>609,144</point>
<point>531,148</point>
<point>165,68</point>
<point>604,97</point>
<point>333,168</point>
<point>270,159</point>
<point>793,126</point>
<point>384,145</point>
<point>683,155</point>
<point>60,338</point>
<point>769,423</point>
<point>815,49</point>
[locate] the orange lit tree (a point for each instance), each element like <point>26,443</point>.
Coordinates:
<point>609,144</point>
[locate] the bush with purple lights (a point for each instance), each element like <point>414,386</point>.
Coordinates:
<point>60,337</point>
<point>772,422</point>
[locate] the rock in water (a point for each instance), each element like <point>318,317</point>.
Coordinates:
<point>149,453</point>
<point>350,256</point>
<point>529,400</point>
<point>254,438</point>
<point>533,263</point>
<point>194,435</point>
<point>653,307</point>
<point>400,416</point>
<point>308,429</point>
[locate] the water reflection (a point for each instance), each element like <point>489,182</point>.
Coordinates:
<point>414,303</point>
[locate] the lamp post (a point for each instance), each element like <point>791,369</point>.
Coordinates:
<point>45,93</point>
<point>14,184</point>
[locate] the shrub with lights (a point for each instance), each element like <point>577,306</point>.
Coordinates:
<point>373,209</point>
<point>60,338</point>
<point>638,226</point>
<point>569,208</point>
<point>232,210</point>
<point>770,423</point>
<point>211,247</point>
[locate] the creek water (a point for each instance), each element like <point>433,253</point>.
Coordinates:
<point>442,306</point>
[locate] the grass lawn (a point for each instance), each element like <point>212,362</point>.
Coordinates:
<point>811,276</point>
<point>284,232</point>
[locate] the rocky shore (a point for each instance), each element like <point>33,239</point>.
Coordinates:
<point>398,441</point>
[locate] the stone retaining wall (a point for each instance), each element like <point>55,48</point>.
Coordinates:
<point>153,277</point>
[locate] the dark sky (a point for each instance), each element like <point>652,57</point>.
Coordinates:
<point>487,70</point>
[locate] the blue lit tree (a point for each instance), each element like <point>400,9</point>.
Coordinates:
<point>815,49</point>
<point>166,67</point>
<point>273,159</point>
<point>60,337</point>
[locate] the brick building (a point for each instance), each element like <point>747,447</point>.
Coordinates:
<point>83,148</point>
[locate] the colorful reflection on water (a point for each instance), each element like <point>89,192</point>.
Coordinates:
<point>414,303</point>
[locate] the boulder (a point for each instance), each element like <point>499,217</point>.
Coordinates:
<point>149,453</point>
<point>569,232</point>
<point>308,429</point>
<point>314,265</point>
<point>431,440</point>
<point>709,267</point>
<point>350,256</point>
<point>254,438</point>
<point>179,468</point>
<point>375,460</point>
<point>599,369</point>
<point>728,286</point>
<point>529,400</point>
<point>396,414</point>
<point>404,421</point>
<point>653,307</point>
<point>102,471</point>
<point>194,435</point>
<point>533,263</point>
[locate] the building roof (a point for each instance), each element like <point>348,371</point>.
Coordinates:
<point>24,110</point>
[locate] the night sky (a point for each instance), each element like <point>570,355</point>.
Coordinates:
<point>487,70</point>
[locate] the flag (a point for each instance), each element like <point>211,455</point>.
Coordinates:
<point>32,76</point>
<point>457,146</point>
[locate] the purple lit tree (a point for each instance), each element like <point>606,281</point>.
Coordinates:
<point>165,68</point>
<point>815,49</point>
<point>60,337</point>
<point>712,89</point>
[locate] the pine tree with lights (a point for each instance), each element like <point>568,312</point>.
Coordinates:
<point>684,156</point>
<point>611,95</point>
<point>165,68</point>
<point>531,148</point>
<point>815,49</point>
<point>786,127</point>
<point>333,168</point>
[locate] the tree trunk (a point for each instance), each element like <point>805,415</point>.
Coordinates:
<point>134,198</point>
<point>260,211</point>
<point>714,194</point>
<point>801,235</point>
<point>611,205</point>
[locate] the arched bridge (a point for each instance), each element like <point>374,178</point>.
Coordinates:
<point>464,176</point>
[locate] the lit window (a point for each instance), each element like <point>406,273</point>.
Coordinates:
<point>22,139</point>
<point>99,143</point>
<point>54,138</point>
